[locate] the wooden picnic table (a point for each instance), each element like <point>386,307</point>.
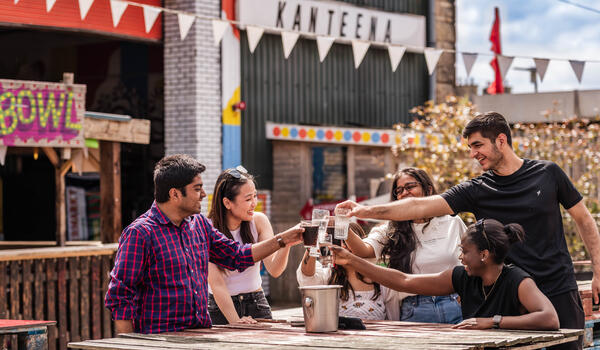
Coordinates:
<point>378,335</point>
<point>29,334</point>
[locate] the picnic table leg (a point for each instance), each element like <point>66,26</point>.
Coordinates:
<point>34,339</point>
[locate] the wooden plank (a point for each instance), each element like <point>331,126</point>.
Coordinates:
<point>133,131</point>
<point>74,334</point>
<point>51,278</point>
<point>61,272</point>
<point>97,305</point>
<point>15,298</point>
<point>107,331</point>
<point>110,191</point>
<point>38,289</point>
<point>3,304</point>
<point>61,208</point>
<point>57,252</point>
<point>84,305</point>
<point>27,291</point>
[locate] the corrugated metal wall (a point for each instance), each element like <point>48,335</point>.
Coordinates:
<point>304,91</point>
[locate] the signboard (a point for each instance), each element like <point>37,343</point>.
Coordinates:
<point>41,114</point>
<point>336,19</point>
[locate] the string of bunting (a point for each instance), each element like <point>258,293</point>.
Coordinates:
<point>324,43</point>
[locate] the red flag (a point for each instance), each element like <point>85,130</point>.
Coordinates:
<point>496,87</point>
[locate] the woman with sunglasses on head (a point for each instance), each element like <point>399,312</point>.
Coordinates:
<point>237,297</point>
<point>428,245</point>
<point>493,295</point>
<point>359,297</point>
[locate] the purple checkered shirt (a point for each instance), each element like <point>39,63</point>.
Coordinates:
<point>160,276</point>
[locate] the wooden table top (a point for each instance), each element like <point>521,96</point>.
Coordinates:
<point>17,326</point>
<point>378,335</point>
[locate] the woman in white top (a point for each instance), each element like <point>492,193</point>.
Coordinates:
<point>429,245</point>
<point>359,296</point>
<point>237,297</point>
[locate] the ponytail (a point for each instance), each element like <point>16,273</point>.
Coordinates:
<point>514,232</point>
<point>497,238</point>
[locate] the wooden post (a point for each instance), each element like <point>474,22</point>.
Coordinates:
<point>350,171</point>
<point>110,191</point>
<point>61,211</point>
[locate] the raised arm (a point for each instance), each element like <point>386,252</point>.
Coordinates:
<point>358,246</point>
<point>276,262</point>
<point>401,210</point>
<point>289,237</point>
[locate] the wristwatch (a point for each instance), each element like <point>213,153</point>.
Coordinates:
<point>280,242</point>
<point>496,319</point>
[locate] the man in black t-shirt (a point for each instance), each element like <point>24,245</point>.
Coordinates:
<point>518,190</point>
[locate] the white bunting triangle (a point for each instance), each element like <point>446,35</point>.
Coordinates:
<point>116,9</point>
<point>49,5</point>
<point>219,27</point>
<point>16,2</point>
<point>323,45</point>
<point>254,35</point>
<point>359,49</point>
<point>84,7</point>
<point>469,60</point>
<point>578,68</point>
<point>3,154</point>
<point>541,65</point>
<point>150,15</point>
<point>185,23</point>
<point>432,56</point>
<point>288,40</point>
<point>504,63</point>
<point>396,53</point>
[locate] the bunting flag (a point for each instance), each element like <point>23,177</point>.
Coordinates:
<point>16,2</point>
<point>504,63</point>
<point>288,41</point>
<point>219,27</point>
<point>116,9</point>
<point>185,23</point>
<point>3,154</point>
<point>396,53</point>
<point>49,5</point>
<point>541,64</point>
<point>359,49</point>
<point>254,35</point>
<point>150,15</point>
<point>432,56</point>
<point>577,68</point>
<point>469,60</point>
<point>84,7</point>
<point>323,45</point>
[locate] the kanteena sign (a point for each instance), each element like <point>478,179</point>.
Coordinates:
<point>342,21</point>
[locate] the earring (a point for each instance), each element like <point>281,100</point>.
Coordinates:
<point>482,259</point>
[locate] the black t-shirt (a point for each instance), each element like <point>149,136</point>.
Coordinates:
<point>530,196</point>
<point>503,295</point>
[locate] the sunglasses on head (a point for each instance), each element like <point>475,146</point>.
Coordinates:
<point>480,226</point>
<point>238,172</point>
<point>408,186</point>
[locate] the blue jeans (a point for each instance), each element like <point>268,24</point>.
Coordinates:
<point>423,308</point>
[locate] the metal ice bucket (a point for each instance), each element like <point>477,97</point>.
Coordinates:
<point>320,305</point>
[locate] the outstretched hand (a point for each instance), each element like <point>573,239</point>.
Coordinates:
<point>340,255</point>
<point>354,207</point>
<point>293,235</point>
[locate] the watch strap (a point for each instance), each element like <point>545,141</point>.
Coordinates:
<point>280,242</point>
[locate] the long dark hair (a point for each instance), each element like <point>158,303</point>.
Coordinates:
<point>228,186</point>
<point>398,251</point>
<point>339,275</point>
<point>497,238</point>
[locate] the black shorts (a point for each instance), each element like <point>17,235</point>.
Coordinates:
<point>570,314</point>
<point>253,304</point>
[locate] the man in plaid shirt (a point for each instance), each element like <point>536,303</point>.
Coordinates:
<point>159,282</point>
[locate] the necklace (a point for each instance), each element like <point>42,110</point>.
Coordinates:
<point>486,295</point>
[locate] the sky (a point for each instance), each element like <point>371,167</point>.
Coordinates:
<point>531,28</point>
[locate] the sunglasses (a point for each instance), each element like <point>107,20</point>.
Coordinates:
<point>480,226</point>
<point>408,186</point>
<point>238,172</point>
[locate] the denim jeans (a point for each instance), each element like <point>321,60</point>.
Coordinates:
<point>422,308</point>
<point>253,304</point>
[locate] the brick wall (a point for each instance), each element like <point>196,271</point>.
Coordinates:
<point>445,38</point>
<point>193,88</point>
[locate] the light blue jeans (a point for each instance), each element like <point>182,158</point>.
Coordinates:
<point>423,308</point>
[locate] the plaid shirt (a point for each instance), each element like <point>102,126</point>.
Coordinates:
<point>160,276</point>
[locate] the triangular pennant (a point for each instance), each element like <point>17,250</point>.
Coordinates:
<point>504,63</point>
<point>359,49</point>
<point>219,28</point>
<point>323,45</point>
<point>185,23</point>
<point>288,40</point>
<point>116,9</point>
<point>49,5</point>
<point>469,60</point>
<point>396,53</point>
<point>578,68</point>
<point>84,7</point>
<point>150,15</point>
<point>16,2</point>
<point>254,35</point>
<point>432,56</point>
<point>541,65</point>
<point>3,154</point>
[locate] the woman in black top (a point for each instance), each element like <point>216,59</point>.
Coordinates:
<point>492,295</point>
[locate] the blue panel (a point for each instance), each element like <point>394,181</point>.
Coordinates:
<point>232,146</point>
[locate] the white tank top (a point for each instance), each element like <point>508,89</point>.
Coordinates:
<point>247,281</point>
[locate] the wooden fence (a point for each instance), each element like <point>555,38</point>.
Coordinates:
<point>62,284</point>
